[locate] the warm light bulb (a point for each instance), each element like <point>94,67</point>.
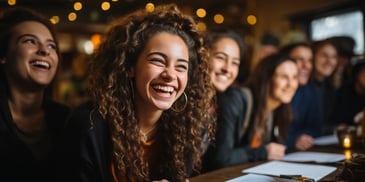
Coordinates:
<point>11,2</point>
<point>347,141</point>
<point>150,7</point>
<point>77,6</point>
<point>201,13</point>
<point>72,16</point>
<point>105,6</point>
<point>251,19</point>
<point>218,18</point>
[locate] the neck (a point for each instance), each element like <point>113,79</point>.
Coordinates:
<point>26,110</point>
<point>148,119</point>
<point>25,103</point>
<point>272,104</point>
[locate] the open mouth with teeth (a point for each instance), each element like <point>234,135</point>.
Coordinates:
<point>163,89</point>
<point>222,77</point>
<point>41,64</point>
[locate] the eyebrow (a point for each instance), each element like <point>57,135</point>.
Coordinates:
<point>165,57</point>
<point>31,35</point>
<point>225,54</point>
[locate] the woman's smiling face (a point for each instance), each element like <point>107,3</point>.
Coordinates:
<point>285,82</point>
<point>161,71</point>
<point>32,58</point>
<point>224,62</point>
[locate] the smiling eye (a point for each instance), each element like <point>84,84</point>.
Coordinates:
<point>157,61</point>
<point>52,46</point>
<point>181,67</point>
<point>29,41</point>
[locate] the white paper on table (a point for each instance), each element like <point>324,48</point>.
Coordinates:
<point>258,178</point>
<point>326,140</point>
<point>318,157</point>
<point>277,168</point>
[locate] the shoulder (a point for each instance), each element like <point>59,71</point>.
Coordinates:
<point>233,93</point>
<point>233,99</point>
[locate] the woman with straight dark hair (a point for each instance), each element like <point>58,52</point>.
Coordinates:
<point>30,122</point>
<point>253,121</point>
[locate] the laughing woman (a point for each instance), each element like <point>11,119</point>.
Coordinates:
<point>30,123</point>
<point>151,95</point>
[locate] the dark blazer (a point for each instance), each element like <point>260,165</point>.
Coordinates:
<point>231,147</point>
<point>17,162</point>
<point>307,110</point>
<point>86,147</point>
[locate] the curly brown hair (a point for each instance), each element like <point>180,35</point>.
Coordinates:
<point>111,91</point>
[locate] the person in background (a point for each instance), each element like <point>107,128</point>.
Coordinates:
<point>30,122</point>
<point>345,46</point>
<point>306,101</point>
<point>350,99</point>
<point>269,44</point>
<point>225,54</point>
<point>270,90</point>
<point>324,65</point>
<point>151,94</point>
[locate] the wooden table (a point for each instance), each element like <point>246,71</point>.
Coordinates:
<point>227,173</point>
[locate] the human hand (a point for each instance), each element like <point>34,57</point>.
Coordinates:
<point>163,180</point>
<point>275,151</point>
<point>304,142</point>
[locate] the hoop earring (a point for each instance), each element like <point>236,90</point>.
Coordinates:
<point>183,106</point>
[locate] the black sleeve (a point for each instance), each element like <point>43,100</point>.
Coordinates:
<point>85,148</point>
<point>230,148</point>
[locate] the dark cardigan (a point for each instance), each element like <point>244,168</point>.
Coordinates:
<point>88,148</point>
<point>231,147</point>
<point>17,162</point>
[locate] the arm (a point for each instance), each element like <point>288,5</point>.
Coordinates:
<point>307,122</point>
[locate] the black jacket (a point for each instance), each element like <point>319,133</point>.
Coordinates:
<point>231,146</point>
<point>17,162</point>
<point>88,148</point>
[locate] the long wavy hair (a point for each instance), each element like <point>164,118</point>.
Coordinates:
<point>112,93</point>
<point>260,83</point>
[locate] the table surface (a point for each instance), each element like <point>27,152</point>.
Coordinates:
<point>228,173</point>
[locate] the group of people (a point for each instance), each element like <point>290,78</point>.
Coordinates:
<point>164,102</point>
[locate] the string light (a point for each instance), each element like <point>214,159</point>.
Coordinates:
<point>218,18</point>
<point>72,16</point>
<point>11,2</point>
<point>105,6</point>
<point>77,6</point>
<point>150,7</point>
<point>201,13</point>
<point>251,19</point>
<point>55,19</point>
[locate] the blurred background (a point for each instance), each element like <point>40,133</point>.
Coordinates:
<point>80,23</point>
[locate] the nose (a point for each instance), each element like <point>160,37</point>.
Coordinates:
<point>43,50</point>
<point>169,74</point>
<point>226,66</point>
